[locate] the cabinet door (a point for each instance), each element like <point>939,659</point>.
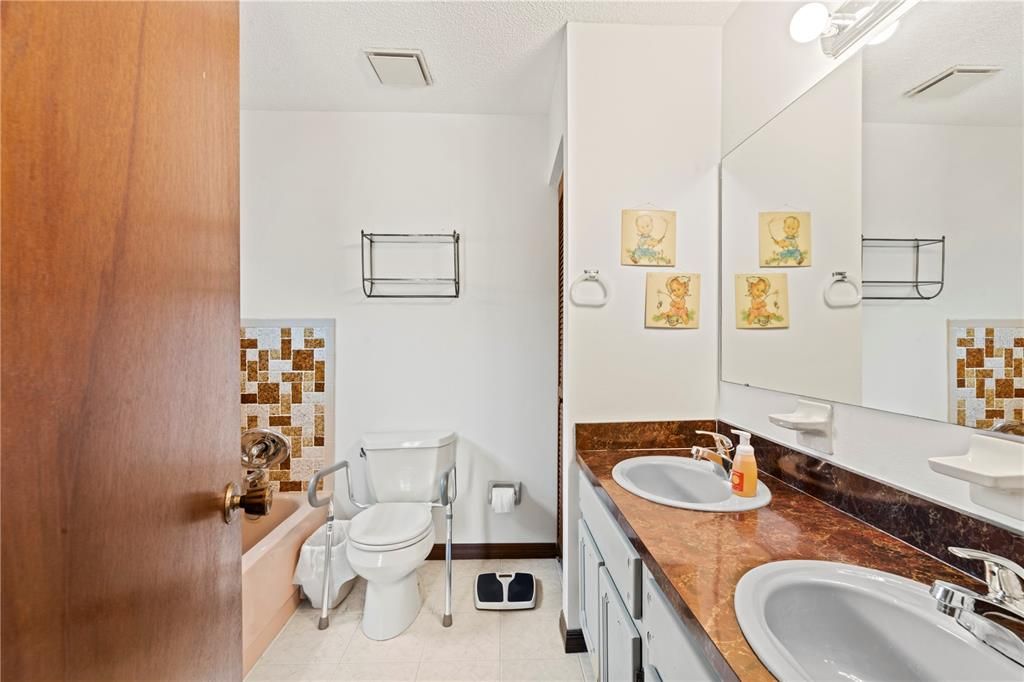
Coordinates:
<point>589,598</point>
<point>619,651</point>
<point>670,654</point>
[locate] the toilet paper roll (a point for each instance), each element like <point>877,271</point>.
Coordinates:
<point>502,500</point>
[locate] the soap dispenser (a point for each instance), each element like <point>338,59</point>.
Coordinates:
<point>744,467</point>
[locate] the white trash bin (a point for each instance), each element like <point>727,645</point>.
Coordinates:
<point>309,572</point>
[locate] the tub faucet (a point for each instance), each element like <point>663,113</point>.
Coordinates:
<point>719,456</point>
<point>981,614</point>
<point>261,449</point>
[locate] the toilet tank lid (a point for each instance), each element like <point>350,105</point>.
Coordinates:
<point>393,440</point>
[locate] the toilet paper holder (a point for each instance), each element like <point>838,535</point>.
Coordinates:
<point>515,485</point>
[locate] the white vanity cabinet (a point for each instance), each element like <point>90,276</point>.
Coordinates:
<point>669,653</point>
<point>619,648</point>
<point>589,597</point>
<point>631,630</point>
<point>621,560</point>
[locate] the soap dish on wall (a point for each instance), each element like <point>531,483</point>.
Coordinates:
<point>813,423</point>
<point>994,468</point>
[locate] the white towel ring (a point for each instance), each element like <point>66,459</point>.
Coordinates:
<point>839,279</point>
<point>589,276</point>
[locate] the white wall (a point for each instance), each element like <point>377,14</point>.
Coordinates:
<point>762,73</point>
<point>643,127</point>
<point>807,159</point>
<point>931,180</point>
<point>483,365</point>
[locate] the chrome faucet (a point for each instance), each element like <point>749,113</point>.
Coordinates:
<point>979,614</point>
<point>1012,426</point>
<point>719,456</point>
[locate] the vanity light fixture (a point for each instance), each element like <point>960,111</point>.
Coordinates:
<point>809,22</point>
<point>838,31</point>
<point>885,33</point>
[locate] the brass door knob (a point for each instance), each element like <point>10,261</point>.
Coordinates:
<point>256,502</point>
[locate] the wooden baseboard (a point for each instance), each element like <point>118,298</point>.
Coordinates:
<point>572,640</point>
<point>498,550</point>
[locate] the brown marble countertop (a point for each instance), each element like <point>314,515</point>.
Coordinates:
<point>698,557</point>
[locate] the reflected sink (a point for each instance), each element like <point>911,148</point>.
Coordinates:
<point>817,620</point>
<point>684,483</point>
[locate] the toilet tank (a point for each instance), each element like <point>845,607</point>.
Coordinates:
<point>406,466</point>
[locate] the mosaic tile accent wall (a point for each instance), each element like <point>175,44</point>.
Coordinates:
<point>285,384</point>
<point>986,372</point>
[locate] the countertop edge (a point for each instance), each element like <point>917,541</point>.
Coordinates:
<point>711,652</point>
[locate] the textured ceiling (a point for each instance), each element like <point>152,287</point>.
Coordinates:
<point>485,57</point>
<point>934,36</point>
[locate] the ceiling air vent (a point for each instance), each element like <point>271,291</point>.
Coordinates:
<point>400,67</point>
<point>953,81</point>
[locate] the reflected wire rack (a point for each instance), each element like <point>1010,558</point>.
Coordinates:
<point>915,243</point>
<point>448,286</point>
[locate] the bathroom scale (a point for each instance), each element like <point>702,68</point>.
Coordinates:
<point>505,591</point>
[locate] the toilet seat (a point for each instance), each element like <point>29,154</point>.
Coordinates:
<point>389,526</point>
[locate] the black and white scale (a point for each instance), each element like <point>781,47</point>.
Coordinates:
<point>504,591</point>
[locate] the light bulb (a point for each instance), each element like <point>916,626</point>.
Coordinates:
<point>809,22</point>
<point>885,33</point>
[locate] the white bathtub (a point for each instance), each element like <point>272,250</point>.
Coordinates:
<point>270,548</point>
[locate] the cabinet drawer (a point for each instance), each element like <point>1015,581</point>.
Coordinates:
<point>670,653</point>
<point>621,560</point>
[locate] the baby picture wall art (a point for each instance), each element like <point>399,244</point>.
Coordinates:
<point>785,239</point>
<point>649,237</point>
<point>762,301</point>
<point>673,300</point>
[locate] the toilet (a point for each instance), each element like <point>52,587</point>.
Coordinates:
<point>391,539</point>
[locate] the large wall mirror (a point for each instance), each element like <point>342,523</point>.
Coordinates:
<point>903,170</point>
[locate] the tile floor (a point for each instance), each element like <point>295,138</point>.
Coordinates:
<point>480,645</point>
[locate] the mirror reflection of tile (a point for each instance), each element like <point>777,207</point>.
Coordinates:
<point>986,383</point>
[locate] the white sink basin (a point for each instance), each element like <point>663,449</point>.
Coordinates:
<point>817,620</point>
<point>684,483</point>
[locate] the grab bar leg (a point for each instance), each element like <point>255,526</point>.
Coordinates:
<point>447,620</point>
<point>324,619</point>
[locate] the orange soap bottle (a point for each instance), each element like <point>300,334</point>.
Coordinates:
<point>744,468</point>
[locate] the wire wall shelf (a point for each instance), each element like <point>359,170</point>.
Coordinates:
<point>924,289</point>
<point>376,286</point>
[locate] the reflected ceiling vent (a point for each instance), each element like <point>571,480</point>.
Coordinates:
<point>953,81</point>
<point>405,68</point>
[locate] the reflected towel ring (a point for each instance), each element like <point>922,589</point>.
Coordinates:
<point>589,276</point>
<point>840,278</point>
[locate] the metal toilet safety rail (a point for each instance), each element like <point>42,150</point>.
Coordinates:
<point>448,484</point>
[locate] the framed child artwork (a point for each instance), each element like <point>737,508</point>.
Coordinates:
<point>784,239</point>
<point>649,237</point>
<point>673,300</point>
<point>762,301</point>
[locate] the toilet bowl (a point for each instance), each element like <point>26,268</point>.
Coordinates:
<point>392,538</point>
<point>386,544</point>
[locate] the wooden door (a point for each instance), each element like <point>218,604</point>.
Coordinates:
<point>120,326</point>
